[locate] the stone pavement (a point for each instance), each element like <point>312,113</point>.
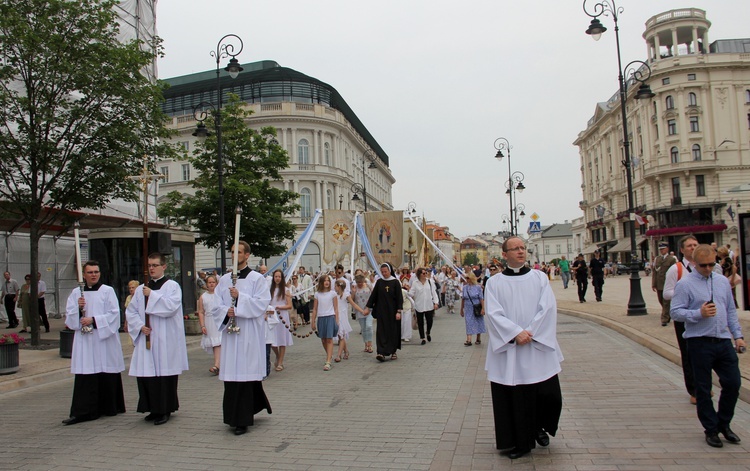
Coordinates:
<point>624,408</point>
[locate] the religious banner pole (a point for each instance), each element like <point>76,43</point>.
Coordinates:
<point>233,328</point>
<point>85,329</point>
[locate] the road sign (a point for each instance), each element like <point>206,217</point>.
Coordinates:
<point>535,217</point>
<point>535,227</point>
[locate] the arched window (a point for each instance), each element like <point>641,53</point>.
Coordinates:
<point>303,152</point>
<point>696,152</point>
<point>329,199</point>
<point>692,99</point>
<point>305,200</point>
<point>674,155</point>
<point>669,102</point>
<point>327,153</point>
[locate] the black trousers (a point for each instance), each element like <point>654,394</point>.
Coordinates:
<point>43,314</point>
<point>687,369</point>
<point>598,282</point>
<point>709,354</point>
<point>420,322</point>
<point>582,286</point>
<point>10,309</point>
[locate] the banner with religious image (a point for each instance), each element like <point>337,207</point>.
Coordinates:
<point>338,233</point>
<point>385,231</point>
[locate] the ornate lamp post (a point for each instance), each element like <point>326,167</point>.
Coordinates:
<point>226,47</point>
<point>515,181</point>
<point>341,201</point>
<point>370,156</point>
<point>641,73</point>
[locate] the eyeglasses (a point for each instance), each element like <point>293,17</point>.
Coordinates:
<point>493,268</point>
<point>154,265</point>
<point>516,249</point>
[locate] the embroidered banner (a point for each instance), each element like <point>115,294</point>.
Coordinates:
<point>338,233</point>
<point>413,240</point>
<point>385,231</point>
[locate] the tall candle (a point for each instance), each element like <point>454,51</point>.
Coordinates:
<point>238,214</point>
<point>78,253</point>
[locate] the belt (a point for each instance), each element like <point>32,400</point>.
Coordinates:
<point>710,339</point>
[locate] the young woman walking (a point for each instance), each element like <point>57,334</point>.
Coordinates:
<point>325,317</point>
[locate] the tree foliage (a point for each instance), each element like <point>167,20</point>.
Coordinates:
<point>76,114</point>
<point>471,258</point>
<point>251,160</point>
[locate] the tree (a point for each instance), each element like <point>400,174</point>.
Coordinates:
<point>76,114</point>
<point>252,160</point>
<point>471,258</point>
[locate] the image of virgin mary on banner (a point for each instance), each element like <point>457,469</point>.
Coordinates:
<point>385,231</point>
<point>338,230</point>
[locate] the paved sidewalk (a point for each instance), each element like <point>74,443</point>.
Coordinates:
<point>624,408</point>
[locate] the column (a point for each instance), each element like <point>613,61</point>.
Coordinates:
<point>657,47</point>
<point>674,42</point>
<point>315,154</point>
<point>695,40</point>
<point>317,195</point>
<point>293,150</point>
<point>324,195</point>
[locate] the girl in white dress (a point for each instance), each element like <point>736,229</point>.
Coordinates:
<point>211,340</point>
<point>406,313</point>
<point>281,299</point>
<point>344,327</point>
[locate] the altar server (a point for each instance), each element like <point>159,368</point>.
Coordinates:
<point>155,316</point>
<point>523,356</point>
<point>97,362</point>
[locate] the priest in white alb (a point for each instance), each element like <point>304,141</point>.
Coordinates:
<point>243,353</point>
<point>155,318</point>
<point>523,356</point>
<point>97,360</point>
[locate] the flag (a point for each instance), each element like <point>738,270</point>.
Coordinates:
<point>640,220</point>
<point>385,231</point>
<point>338,232</point>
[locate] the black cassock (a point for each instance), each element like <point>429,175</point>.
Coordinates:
<point>385,300</point>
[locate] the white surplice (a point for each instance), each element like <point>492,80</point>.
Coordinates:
<point>514,304</point>
<point>99,351</point>
<point>168,353</point>
<point>243,355</point>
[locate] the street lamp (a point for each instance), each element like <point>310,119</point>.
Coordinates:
<point>341,201</point>
<point>226,47</point>
<point>636,303</point>
<point>515,181</point>
<point>370,156</point>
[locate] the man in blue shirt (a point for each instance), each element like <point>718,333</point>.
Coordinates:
<point>703,301</point>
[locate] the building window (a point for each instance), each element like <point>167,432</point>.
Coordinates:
<point>665,81</point>
<point>669,102</point>
<point>558,248</point>
<point>185,145</point>
<point>696,152</point>
<point>747,96</point>
<point>329,199</point>
<point>694,124</point>
<point>185,172</point>
<point>700,185</point>
<point>165,174</point>
<point>327,153</point>
<point>674,155</point>
<point>304,203</point>
<point>692,99</point>
<point>691,77</point>
<point>671,127</point>
<point>676,187</point>
<point>303,152</point>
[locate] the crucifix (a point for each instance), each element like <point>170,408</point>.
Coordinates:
<point>145,178</point>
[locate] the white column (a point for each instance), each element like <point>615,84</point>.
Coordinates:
<point>315,153</point>
<point>695,40</point>
<point>293,150</point>
<point>324,195</point>
<point>317,195</point>
<point>657,47</point>
<point>674,42</point>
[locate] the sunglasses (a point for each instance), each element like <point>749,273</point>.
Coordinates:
<point>706,265</point>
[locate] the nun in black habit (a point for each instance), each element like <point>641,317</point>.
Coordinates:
<point>386,302</point>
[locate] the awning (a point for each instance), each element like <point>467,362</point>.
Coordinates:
<point>623,245</point>
<point>590,249</point>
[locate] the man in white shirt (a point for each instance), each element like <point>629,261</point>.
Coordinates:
<point>41,288</point>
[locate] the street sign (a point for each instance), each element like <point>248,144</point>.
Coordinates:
<point>535,227</point>
<point>535,217</point>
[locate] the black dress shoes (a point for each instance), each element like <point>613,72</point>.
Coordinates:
<point>516,453</point>
<point>161,420</point>
<point>150,417</point>
<point>78,420</point>
<point>542,438</point>
<point>429,339</point>
<point>714,440</point>
<point>729,435</point>
<point>240,430</point>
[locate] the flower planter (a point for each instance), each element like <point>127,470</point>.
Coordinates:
<point>193,326</point>
<point>8,358</point>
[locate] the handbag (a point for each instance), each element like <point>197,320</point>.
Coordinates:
<point>296,303</point>
<point>476,307</point>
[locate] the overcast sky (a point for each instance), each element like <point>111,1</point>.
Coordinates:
<point>436,82</point>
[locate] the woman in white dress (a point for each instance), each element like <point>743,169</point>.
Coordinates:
<point>211,340</point>
<point>343,300</point>
<point>294,288</point>
<point>406,313</point>
<point>281,300</point>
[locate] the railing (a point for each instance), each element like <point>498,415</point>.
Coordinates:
<point>270,107</point>
<point>307,167</point>
<point>675,14</point>
<point>304,107</point>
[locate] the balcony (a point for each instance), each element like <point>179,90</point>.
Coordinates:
<point>687,226</point>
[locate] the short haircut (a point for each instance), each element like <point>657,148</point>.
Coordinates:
<point>704,250</point>
<point>505,242</point>
<point>245,246</point>
<point>686,238</point>
<point>359,278</point>
<point>339,267</point>
<point>91,263</point>
<point>471,277</point>
<point>133,283</point>
<point>161,257</point>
